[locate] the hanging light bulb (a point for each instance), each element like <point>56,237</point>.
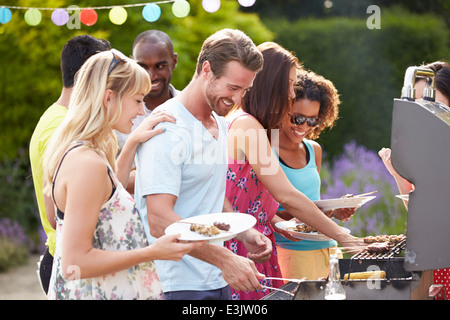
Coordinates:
<point>151,12</point>
<point>33,17</point>
<point>60,17</point>
<point>181,8</point>
<point>246,3</point>
<point>88,17</point>
<point>5,15</point>
<point>118,15</point>
<point>211,5</point>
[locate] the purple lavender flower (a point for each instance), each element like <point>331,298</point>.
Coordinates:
<point>13,232</point>
<point>359,170</point>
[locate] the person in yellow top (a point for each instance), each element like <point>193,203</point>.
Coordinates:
<point>75,52</point>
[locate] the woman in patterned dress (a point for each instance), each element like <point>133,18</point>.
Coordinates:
<point>255,181</point>
<point>101,248</point>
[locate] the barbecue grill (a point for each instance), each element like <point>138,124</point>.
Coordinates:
<point>399,284</point>
<point>420,144</point>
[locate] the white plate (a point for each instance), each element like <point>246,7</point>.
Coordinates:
<point>403,196</point>
<point>239,222</point>
<point>353,202</point>
<point>314,236</point>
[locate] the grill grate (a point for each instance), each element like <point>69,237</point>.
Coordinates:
<point>394,251</point>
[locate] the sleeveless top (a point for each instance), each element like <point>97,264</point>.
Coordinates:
<point>307,181</point>
<point>247,194</point>
<point>119,228</point>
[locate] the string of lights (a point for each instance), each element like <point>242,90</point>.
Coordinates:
<point>94,8</point>
<point>73,16</point>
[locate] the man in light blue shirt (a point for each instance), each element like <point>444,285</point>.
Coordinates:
<point>182,173</point>
<point>175,165</point>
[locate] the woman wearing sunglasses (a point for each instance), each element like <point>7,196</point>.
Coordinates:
<point>101,248</point>
<point>314,109</point>
<point>256,184</point>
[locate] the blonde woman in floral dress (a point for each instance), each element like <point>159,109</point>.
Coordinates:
<point>101,248</point>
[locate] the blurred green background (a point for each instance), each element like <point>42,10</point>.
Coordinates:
<point>331,38</point>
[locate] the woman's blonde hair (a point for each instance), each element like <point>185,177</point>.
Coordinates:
<point>88,119</point>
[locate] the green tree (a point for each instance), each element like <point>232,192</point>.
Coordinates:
<point>30,76</point>
<point>366,66</point>
<point>29,71</point>
<point>299,9</point>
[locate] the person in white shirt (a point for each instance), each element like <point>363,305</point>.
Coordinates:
<point>188,172</point>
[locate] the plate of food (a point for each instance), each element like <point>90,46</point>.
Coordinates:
<point>303,231</point>
<point>214,226</point>
<point>344,202</point>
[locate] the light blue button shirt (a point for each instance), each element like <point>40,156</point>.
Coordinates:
<point>187,162</point>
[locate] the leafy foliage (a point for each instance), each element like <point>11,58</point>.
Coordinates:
<point>359,170</point>
<point>29,70</point>
<point>17,201</point>
<point>30,76</point>
<point>367,66</point>
<point>295,9</point>
<point>14,244</point>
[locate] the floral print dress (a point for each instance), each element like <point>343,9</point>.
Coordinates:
<point>119,228</point>
<point>248,195</point>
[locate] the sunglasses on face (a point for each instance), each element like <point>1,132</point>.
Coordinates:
<point>299,120</point>
<point>117,57</point>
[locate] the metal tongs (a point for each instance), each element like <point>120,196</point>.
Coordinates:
<point>284,279</point>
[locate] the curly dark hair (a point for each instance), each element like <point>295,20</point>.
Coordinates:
<point>314,87</point>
